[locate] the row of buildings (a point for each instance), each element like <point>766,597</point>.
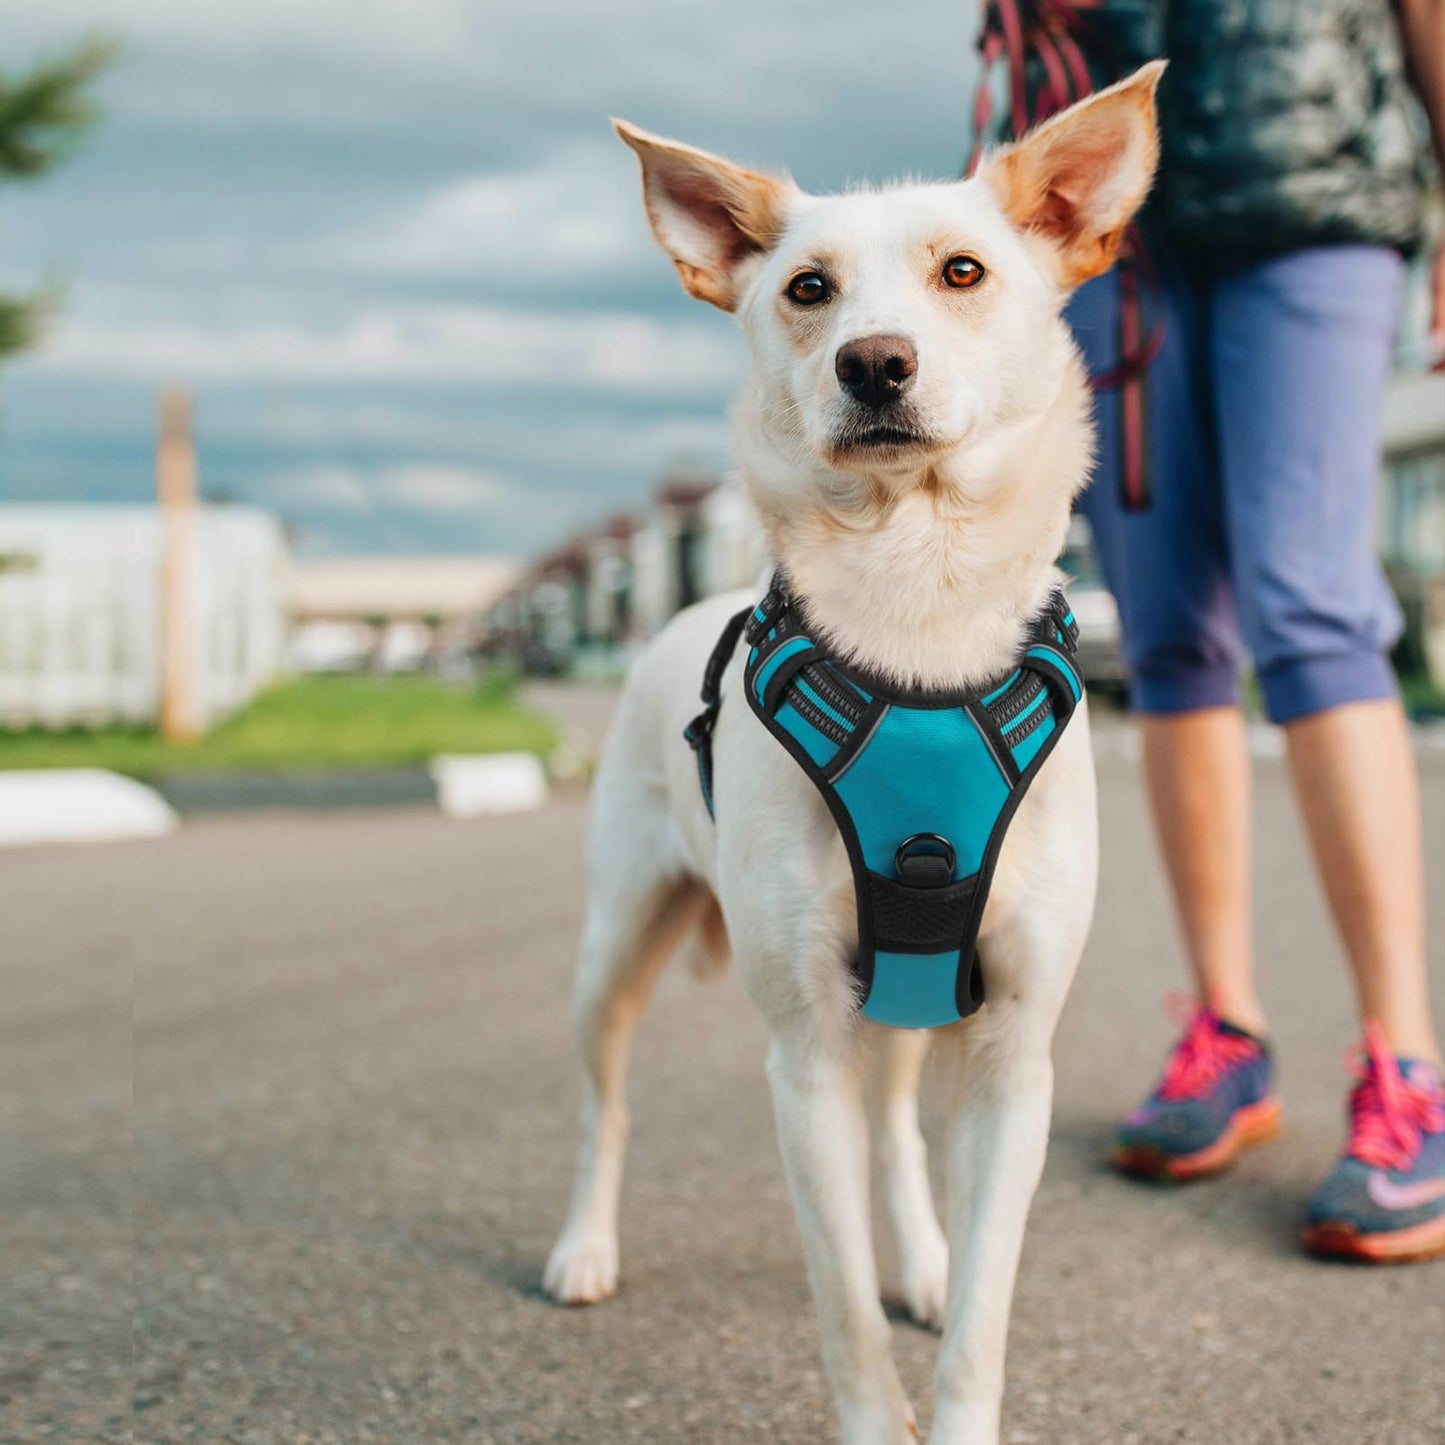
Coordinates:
<point>583,606</point>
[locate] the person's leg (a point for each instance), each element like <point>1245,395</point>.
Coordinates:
<point>1197,768</point>
<point>1167,569</point>
<point>1300,355</point>
<point>1354,774</point>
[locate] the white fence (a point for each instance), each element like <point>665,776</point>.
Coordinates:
<point>80,620</point>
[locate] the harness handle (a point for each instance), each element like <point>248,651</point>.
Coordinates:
<point>925,860</point>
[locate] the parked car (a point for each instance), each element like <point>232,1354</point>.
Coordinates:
<point>1100,658</point>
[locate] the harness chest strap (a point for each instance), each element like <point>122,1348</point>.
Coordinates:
<point>921,787</point>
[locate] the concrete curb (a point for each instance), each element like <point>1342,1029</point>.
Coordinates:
<point>461,786</point>
<point>469,787</point>
<point>326,790</point>
<point>79,805</point>
<point>91,805</point>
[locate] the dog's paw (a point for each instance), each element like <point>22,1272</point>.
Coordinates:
<point>894,1424</point>
<point>581,1271</point>
<point>925,1292</point>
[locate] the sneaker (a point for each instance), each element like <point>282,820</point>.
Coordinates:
<point>1385,1199</point>
<point>1215,1099</point>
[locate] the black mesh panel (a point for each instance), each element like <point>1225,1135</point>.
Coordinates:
<point>919,919</point>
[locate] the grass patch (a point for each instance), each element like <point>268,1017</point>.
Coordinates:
<point>312,722</point>
<point>1422,698</point>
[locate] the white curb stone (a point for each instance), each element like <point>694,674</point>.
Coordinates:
<point>468,787</point>
<point>79,805</point>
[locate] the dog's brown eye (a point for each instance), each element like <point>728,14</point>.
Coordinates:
<point>808,289</point>
<point>962,272</point>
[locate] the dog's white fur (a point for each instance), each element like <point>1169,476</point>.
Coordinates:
<point>924,561</point>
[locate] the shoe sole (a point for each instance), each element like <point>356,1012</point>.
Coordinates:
<point>1338,1240</point>
<point>1252,1125</point>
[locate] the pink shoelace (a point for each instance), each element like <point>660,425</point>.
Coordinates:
<point>1204,1054</point>
<point>1388,1112</point>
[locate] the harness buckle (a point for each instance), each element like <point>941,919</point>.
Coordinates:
<point>762,618</point>
<point>698,733</point>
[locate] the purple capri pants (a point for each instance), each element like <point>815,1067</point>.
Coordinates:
<point>1262,420</point>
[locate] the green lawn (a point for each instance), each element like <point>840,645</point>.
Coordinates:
<point>1422,698</point>
<point>313,722</point>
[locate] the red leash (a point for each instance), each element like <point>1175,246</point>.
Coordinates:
<point>1052,29</point>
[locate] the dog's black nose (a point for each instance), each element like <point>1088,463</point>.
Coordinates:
<point>876,369</point>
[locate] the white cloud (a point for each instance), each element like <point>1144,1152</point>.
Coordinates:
<point>403,343</point>
<point>355,31</point>
<point>329,487</point>
<point>638,443</point>
<point>576,218</point>
<point>427,487</point>
<point>323,62</point>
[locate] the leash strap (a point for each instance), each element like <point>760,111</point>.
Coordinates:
<point>1057,33</point>
<point>1137,350</point>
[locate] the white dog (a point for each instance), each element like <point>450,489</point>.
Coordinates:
<point>920,519</point>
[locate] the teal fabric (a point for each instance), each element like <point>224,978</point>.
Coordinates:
<point>765,673</point>
<point>913,990</point>
<point>952,766</point>
<point>1051,656</point>
<point>1028,750</point>
<point>822,750</point>
<point>925,770</point>
<point>1004,686</point>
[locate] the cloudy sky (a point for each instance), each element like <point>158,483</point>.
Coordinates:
<point>395,250</point>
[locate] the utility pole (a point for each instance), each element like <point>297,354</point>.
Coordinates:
<point>176,493</point>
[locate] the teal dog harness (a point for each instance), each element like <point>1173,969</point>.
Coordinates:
<point>922,787</point>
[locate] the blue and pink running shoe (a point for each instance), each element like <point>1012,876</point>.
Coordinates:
<point>1216,1098</point>
<point>1385,1199</point>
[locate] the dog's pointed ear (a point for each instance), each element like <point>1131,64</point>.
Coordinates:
<point>1079,178</point>
<point>707,214</point>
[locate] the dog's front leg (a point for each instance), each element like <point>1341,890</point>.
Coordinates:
<point>823,1132</point>
<point>997,1140</point>
<point>901,1162</point>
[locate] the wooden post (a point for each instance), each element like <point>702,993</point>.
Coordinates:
<point>176,493</point>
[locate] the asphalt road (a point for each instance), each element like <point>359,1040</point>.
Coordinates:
<point>287,1124</point>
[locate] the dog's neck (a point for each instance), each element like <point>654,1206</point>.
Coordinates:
<point>933,579</point>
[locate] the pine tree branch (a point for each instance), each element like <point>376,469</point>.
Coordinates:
<point>22,318</point>
<point>44,112</point>
<point>17,324</point>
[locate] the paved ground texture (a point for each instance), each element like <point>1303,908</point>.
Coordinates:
<point>288,1121</point>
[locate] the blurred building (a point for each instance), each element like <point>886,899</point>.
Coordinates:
<point>584,606</point>
<point>80,612</point>
<point>393,614</point>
